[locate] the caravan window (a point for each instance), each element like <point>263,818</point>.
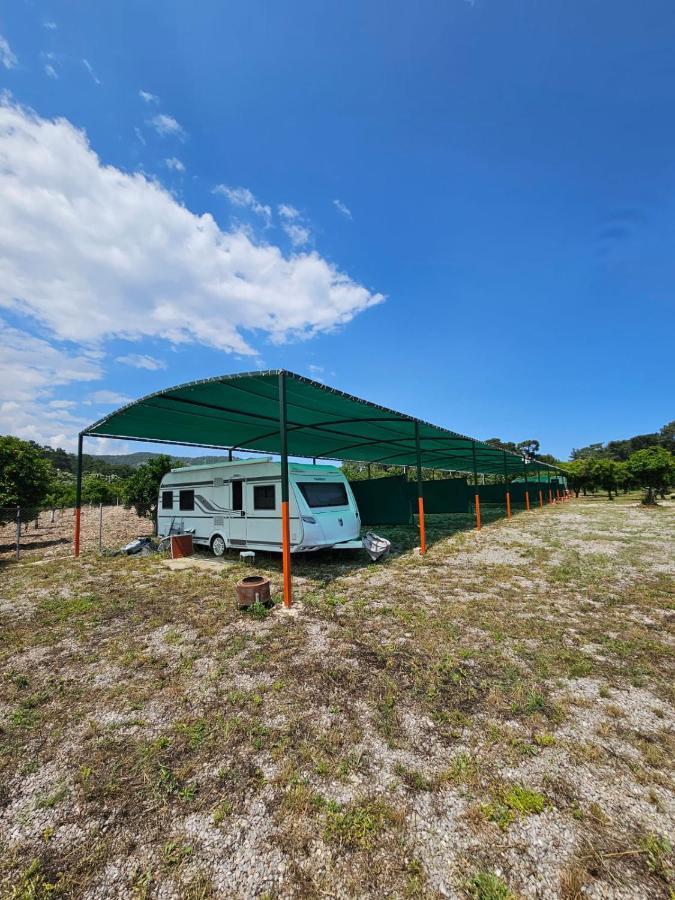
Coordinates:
<point>324,493</point>
<point>237,495</point>
<point>167,499</point>
<point>186,500</point>
<point>263,496</point>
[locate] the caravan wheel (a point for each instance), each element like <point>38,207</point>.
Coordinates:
<point>218,546</point>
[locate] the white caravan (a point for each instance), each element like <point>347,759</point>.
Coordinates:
<point>238,505</point>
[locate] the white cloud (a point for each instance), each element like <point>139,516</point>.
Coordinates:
<point>299,234</point>
<point>7,56</point>
<point>291,224</point>
<point>148,97</point>
<point>113,397</point>
<point>174,164</point>
<point>50,26</point>
<point>166,126</point>
<point>286,211</point>
<point>88,67</point>
<point>30,369</point>
<point>342,208</point>
<point>141,361</point>
<point>93,253</point>
<point>316,372</point>
<point>62,404</point>
<point>242,197</point>
<point>50,71</point>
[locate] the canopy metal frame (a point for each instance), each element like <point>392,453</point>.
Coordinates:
<point>196,413</point>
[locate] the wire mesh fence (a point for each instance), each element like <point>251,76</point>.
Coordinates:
<point>48,532</point>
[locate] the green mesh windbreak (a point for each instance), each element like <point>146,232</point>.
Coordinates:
<point>517,491</point>
<point>383,501</point>
<point>491,493</point>
<point>242,412</point>
<point>447,495</point>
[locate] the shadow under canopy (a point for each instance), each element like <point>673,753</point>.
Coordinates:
<point>286,414</point>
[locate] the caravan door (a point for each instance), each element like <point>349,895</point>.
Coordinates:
<point>263,502</point>
<point>238,513</point>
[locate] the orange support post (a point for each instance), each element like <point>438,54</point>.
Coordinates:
<point>550,495</point>
<point>507,493</point>
<point>475,481</point>
<point>541,500</point>
<point>76,542</point>
<point>286,553</point>
<point>527,500</point>
<point>423,537</point>
<point>285,520</point>
<point>420,490</point>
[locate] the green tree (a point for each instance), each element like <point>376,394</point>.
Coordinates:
<point>25,476</point>
<point>61,492</point>
<point>529,448</point>
<point>605,474</point>
<point>98,490</point>
<point>142,489</point>
<point>578,475</point>
<point>653,469</point>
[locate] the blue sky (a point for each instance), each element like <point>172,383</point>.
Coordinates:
<point>463,210</point>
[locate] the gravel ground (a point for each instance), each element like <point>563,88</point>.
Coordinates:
<point>492,720</point>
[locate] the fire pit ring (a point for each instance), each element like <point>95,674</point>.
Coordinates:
<point>253,588</point>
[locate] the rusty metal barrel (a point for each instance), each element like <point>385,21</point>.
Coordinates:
<point>252,588</point>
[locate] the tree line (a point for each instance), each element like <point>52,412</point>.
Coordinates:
<point>33,477</point>
<point>645,461</point>
<point>622,450</point>
<point>36,477</point>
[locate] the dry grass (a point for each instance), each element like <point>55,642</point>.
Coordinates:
<point>492,720</point>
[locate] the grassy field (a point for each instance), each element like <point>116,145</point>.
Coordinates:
<point>493,720</point>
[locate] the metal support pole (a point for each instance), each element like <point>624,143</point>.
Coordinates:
<point>541,496</point>
<point>368,470</point>
<point>285,521</point>
<point>229,454</point>
<point>420,492</point>
<point>78,495</point>
<point>527,492</point>
<point>18,532</point>
<point>100,528</point>
<point>475,481</point>
<point>506,488</point>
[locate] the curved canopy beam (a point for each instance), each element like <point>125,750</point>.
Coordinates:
<point>243,411</point>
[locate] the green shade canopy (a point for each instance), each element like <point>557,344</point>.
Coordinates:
<point>242,412</point>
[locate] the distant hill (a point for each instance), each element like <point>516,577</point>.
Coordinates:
<point>120,464</point>
<point>141,457</point>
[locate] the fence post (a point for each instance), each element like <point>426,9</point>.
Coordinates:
<point>78,497</point>
<point>18,531</point>
<point>100,528</point>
